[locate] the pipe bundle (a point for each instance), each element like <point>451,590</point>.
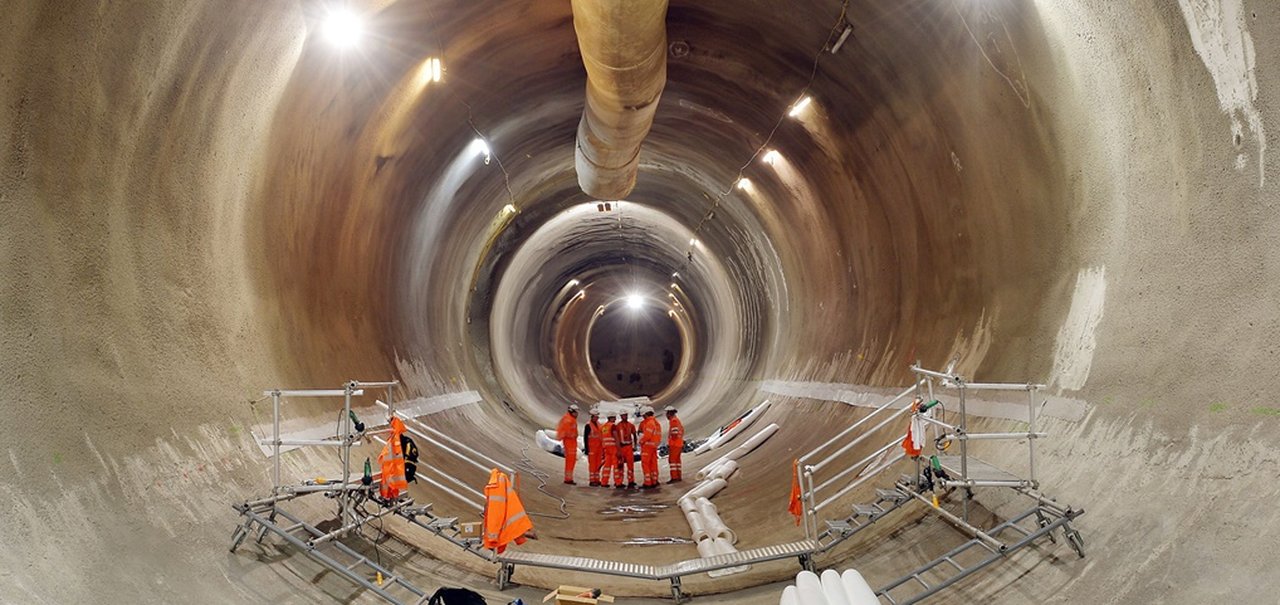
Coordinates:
<point>832,588</point>
<point>709,531</point>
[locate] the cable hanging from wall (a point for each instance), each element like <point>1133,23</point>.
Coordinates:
<point>838,33</point>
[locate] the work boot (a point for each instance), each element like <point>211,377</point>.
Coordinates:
<point>568,482</point>
<point>673,481</point>
<point>631,485</point>
<point>594,484</point>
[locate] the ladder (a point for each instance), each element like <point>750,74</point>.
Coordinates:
<point>332,554</point>
<point>837,531</point>
<point>975,554</point>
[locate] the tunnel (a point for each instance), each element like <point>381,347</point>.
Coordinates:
<point>206,200</point>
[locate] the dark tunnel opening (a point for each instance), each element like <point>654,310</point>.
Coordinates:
<point>636,348</point>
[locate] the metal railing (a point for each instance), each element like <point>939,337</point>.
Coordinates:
<point>817,459</point>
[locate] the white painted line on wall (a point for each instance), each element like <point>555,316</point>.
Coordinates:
<point>1077,338</point>
<point>864,396</point>
<point>1221,37</point>
<point>372,416</point>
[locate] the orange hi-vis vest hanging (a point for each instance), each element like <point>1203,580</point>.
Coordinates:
<point>505,520</point>
<point>794,505</point>
<point>392,461</point>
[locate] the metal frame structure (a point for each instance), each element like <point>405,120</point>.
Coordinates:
<point>820,492</point>
<point>262,516</point>
<point>985,546</point>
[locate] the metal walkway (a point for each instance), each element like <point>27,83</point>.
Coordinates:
<point>802,550</point>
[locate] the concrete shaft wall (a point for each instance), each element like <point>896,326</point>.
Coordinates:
<point>203,199</point>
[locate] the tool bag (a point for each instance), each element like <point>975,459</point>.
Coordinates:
<point>456,596</point>
<point>410,449</point>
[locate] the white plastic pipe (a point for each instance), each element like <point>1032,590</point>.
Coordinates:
<point>809,587</point>
<point>698,526</point>
<point>857,589</point>
<point>753,443</point>
<point>687,506</point>
<point>723,436</point>
<point>724,471</point>
<point>714,524</point>
<point>723,547</point>
<point>706,489</point>
<point>706,471</point>
<point>833,588</point>
<point>789,596</point>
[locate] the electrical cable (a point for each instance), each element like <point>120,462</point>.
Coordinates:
<point>525,465</point>
<point>836,28</point>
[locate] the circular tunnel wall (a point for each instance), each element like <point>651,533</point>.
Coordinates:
<point>203,203</point>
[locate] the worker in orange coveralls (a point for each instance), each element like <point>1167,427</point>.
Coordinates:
<point>650,439</point>
<point>609,441</point>
<point>594,444</point>
<point>567,433</point>
<point>675,443</point>
<point>626,451</point>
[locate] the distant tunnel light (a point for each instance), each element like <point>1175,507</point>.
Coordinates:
<point>744,184</point>
<point>343,28</point>
<point>635,302</point>
<point>771,157</point>
<point>800,106</point>
<point>437,71</point>
<point>572,283</point>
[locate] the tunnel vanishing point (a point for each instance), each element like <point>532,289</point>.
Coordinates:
<point>201,200</point>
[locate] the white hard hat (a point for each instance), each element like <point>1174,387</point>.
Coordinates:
<point>669,408</point>
<point>573,407</point>
<point>646,410</point>
<point>594,411</point>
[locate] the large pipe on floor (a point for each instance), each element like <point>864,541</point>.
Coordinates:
<point>624,49</point>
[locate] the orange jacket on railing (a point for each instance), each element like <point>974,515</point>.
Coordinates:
<point>795,507</point>
<point>392,461</point>
<point>505,520</point>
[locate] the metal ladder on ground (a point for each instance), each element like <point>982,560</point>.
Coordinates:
<point>977,553</point>
<point>331,553</point>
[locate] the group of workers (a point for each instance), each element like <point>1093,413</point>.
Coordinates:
<point>610,447</point>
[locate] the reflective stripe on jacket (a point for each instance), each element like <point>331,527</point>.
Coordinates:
<point>392,461</point>
<point>505,520</point>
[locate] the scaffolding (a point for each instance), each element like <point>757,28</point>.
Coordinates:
<point>825,480</point>
<point>267,516</point>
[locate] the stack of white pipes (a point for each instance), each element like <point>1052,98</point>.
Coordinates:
<point>848,588</point>
<point>709,532</point>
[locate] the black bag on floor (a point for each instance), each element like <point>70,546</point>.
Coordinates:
<point>456,596</point>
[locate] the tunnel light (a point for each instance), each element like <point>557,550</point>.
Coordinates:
<point>635,302</point>
<point>771,157</point>
<point>800,106</point>
<point>479,147</point>
<point>430,71</point>
<point>572,283</point>
<point>744,184</point>
<point>509,209</point>
<point>436,69</point>
<point>693,242</point>
<point>343,28</point>
<point>675,275</point>
<point>674,286</point>
<point>582,293</point>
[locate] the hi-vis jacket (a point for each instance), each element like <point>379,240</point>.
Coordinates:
<point>504,518</point>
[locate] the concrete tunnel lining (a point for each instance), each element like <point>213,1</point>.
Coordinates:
<point>201,203</point>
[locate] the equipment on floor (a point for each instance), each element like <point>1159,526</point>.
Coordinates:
<point>456,596</point>
<point>577,595</point>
